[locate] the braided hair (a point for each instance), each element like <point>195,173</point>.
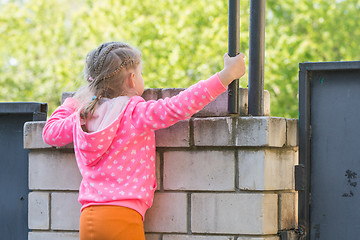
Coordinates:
<point>106,71</point>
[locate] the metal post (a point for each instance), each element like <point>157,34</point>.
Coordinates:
<point>256,57</point>
<point>233,49</point>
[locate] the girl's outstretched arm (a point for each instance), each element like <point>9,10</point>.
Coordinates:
<point>58,130</point>
<point>166,112</point>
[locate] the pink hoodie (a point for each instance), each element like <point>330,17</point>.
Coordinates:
<point>117,157</point>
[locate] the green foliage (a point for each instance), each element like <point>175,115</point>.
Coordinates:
<point>299,31</point>
<point>43,42</point>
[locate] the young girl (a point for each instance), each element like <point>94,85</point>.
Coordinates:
<point>113,131</point>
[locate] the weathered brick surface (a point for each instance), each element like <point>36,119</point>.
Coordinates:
<point>234,213</point>
<point>259,238</point>
<point>260,131</point>
<point>53,236</point>
<point>65,211</point>
<point>218,107</point>
<point>39,209</point>
<point>244,131</point>
<point>196,196</point>
<point>66,95</point>
<point>292,132</point>
<point>178,133</point>
<point>267,110</point>
<point>287,210</point>
<point>168,213</point>
<point>199,170</point>
<point>53,170</point>
<point>150,236</point>
<point>170,92</point>
<point>33,135</point>
<point>192,237</point>
<point>244,103</point>
<point>267,169</point>
<point>151,94</point>
<point>221,133</point>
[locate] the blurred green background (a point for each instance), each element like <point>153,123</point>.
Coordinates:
<point>43,43</point>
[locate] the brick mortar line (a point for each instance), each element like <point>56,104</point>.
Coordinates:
<point>216,234</point>
<point>188,148</point>
<point>53,231</point>
<point>192,148</point>
<point>50,210</point>
<point>189,207</point>
<point>224,148</point>
<point>237,172</point>
<point>191,133</point>
<point>188,191</point>
<point>53,191</point>
<point>229,192</point>
<point>279,211</point>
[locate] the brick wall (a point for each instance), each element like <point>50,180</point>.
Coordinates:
<point>219,177</point>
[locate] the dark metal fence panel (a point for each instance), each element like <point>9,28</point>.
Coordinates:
<point>14,167</point>
<point>329,157</point>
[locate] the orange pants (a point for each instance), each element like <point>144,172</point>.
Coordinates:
<point>111,223</point>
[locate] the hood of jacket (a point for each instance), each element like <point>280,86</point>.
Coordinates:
<point>102,128</point>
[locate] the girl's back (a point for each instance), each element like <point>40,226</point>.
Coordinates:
<point>114,131</point>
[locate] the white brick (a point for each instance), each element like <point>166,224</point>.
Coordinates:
<point>53,170</point>
<point>170,92</point>
<point>244,99</point>
<point>292,132</point>
<point>151,94</point>
<point>196,237</point>
<point>199,170</point>
<point>287,210</point>
<point>174,136</point>
<point>213,131</point>
<point>66,95</point>
<point>53,236</point>
<point>218,107</point>
<point>234,213</point>
<point>260,131</point>
<point>259,238</point>
<point>150,236</point>
<point>168,213</point>
<point>33,135</point>
<point>270,169</point>
<point>65,211</point>
<point>267,103</point>
<point>242,131</point>
<point>38,213</point>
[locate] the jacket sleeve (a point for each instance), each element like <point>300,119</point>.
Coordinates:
<point>166,112</point>
<point>58,130</point>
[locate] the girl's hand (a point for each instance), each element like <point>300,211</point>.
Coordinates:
<point>234,68</point>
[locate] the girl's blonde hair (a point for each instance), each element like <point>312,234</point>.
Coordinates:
<point>106,71</point>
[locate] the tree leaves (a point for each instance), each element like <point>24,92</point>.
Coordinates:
<point>43,43</point>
